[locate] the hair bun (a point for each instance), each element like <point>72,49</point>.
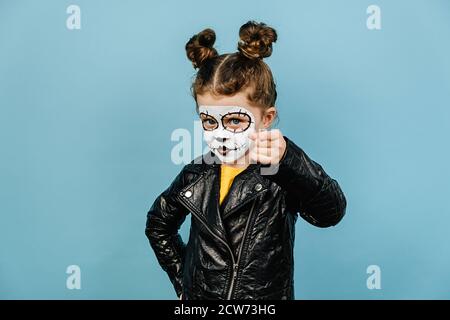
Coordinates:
<point>199,48</point>
<point>256,40</point>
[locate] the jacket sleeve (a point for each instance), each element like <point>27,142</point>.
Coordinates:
<point>310,191</point>
<point>164,220</point>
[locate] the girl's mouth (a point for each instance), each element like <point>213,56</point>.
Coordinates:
<point>224,150</point>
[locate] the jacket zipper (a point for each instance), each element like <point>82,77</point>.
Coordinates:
<point>217,237</point>
<point>234,262</point>
<point>236,265</point>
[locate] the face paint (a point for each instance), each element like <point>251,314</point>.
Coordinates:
<point>226,130</point>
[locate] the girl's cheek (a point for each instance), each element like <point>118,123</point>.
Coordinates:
<point>258,124</point>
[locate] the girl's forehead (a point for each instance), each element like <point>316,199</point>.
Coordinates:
<point>220,107</point>
<point>207,98</point>
<point>220,110</point>
<point>212,102</point>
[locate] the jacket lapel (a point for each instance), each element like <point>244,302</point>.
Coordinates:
<point>201,196</point>
<point>245,187</point>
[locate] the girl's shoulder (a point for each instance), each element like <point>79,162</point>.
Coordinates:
<point>197,167</point>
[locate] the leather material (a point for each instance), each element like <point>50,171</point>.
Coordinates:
<point>244,248</point>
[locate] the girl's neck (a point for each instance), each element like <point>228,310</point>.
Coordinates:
<point>236,165</point>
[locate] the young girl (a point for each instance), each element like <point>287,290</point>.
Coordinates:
<point>243,214</point>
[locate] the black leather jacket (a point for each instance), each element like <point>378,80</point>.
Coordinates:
<point>243,248</point>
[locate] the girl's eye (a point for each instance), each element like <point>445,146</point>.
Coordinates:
<point>233,122</point>
<point>236,121</point>
<point>208,123</point>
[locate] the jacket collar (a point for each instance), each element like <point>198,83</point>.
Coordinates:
<point>201,196</point>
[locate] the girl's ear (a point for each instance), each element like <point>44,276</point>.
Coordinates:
<point>269,116</point>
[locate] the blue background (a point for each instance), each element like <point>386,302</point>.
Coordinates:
<point>86,118</point>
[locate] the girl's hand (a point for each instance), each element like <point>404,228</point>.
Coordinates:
<point>268,147</point>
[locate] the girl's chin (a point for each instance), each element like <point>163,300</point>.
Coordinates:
<point>242,161</point>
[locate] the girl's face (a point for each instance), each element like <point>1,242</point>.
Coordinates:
<point>228,121</point>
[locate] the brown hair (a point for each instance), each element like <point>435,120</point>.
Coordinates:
<point>229,73</point>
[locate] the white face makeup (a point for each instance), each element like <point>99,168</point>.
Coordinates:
<point>226,130</point>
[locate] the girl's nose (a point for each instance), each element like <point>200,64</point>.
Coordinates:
<point>220,139</point>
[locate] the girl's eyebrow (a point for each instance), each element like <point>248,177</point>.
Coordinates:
<point>238,112</point>
<point>205,113</point>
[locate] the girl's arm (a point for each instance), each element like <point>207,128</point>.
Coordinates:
<point>311,192</point>
<point>164,219</point>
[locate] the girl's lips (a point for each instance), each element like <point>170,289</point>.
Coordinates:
<point>224,150</point>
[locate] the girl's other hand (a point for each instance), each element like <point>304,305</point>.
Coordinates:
<point>268,146</point>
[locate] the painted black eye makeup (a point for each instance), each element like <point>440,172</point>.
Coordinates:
<point>209,123</point>
<point>235,122</point>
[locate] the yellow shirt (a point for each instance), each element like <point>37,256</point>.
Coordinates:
<point>227,175</point>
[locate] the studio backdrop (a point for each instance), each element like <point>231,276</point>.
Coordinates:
<point>92,94</point>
